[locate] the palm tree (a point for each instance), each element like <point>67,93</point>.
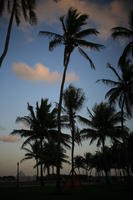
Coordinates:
<point>41,123</point>
<point>78,162</point>
<point>15,8</point>
<point>73,99</point>
<point>118,32</point>
<point>87,161</point>
<point>72,37</point>
<point>33,152</point>
<point>122,90</point>
<point>50,155</point>
<point>102,123</point>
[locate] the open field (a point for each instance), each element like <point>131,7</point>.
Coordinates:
<point>87,192</point>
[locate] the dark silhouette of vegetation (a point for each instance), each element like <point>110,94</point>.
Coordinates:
<point>73,99</point>
<point>40,123</point>
<point>72,37</point>
<point>122,90</point>
<point>102,123</point>
<point>123,32</point>
<point>15,9</point>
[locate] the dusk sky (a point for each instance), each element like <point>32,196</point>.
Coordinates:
<point>30,72</point>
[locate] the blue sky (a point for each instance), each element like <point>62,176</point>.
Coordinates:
<point>30,72</point>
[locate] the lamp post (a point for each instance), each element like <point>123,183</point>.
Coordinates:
<point>17,174</point>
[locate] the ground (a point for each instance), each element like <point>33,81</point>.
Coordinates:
<point>94,192</point>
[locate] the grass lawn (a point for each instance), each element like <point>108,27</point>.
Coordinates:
<point>94,192</point>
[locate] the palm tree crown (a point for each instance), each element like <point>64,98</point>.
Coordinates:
<point>122,90</point>
<point>73,35</point>
<point>102,123</point>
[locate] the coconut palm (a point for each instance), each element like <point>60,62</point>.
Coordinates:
<point>121,89</point>
<point>50,155</point>
<point>73,99</point>
<point>32,153</point>
<point>87,161</point>
<point>40,123</point>
<point>72,38</point>
<point>15,9</point>
<point>78,162</point>
<point>102,123</point>
<point>124,32</point>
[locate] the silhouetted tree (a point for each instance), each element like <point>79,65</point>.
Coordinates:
<point>72,37</point>
<point>102,123</point>
<point>32,153</point>
<point>40,122</point>
<point>16,8</point>
<point>124,32</point>
<point>73,99</point>
<point>122,89</point>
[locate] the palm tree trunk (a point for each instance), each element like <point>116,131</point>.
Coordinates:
<point>41,165</point>
<point>8,35</point>
<point>105,163</point>
<point>122,115</point>
<point>72,153</point>
<point>58,185</point>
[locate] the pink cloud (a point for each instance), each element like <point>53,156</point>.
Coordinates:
<point>104,16</point>
<point>40,73</point>
<point>9,138</point>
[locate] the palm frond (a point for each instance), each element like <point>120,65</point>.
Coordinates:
<point>22,132</point>
<point>50,34</point>
<point>130,19</point>
<point>121,32</point>
<point>62,22</point>
<point>2,6</point>
<point>83,120</point>
<point>113,94</point>
<point>90,45</point>
<point>127,50</point>
<point>115,72</point>
<point>87,57</point>
<point>54,43</point>
<point>17,13</point>
<point>23,3</point>
<point>25,120</point>
<point>86,32</point>
<point>26,158</point>
<point>108,82</point>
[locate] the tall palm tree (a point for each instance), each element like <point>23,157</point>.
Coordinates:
<point>124,32</point>
<point>121,89</point>
<point>16,8</point>
<point>103,123</point>
<point>73,99</point>
<point>72,38</point>
<point>40,123</point>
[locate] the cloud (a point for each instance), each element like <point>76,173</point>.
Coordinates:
<point>9,138</point>
<point>104,14</point>
<point>40,73</point>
